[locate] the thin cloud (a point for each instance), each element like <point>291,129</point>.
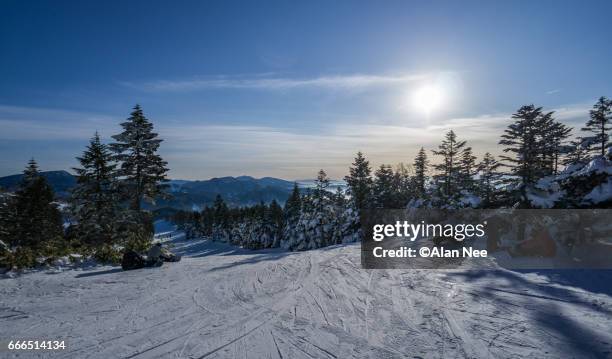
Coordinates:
<point>267,82</point>
<point>28,123</point>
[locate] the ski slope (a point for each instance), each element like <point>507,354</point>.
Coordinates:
<point>223,302</point>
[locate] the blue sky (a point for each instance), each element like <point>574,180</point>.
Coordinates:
<point>285,88</point>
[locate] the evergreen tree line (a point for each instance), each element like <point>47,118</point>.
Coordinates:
<point>541,166</point>
<point>104,215</point>
<point>313,218</point>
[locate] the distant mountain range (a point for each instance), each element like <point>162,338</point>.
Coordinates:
<point>188,195</point>
<point>61,181</point>
<point>236,191</point>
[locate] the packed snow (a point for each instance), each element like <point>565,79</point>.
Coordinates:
<point>226,302</point>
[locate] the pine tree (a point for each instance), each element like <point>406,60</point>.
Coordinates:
<point>275,214</point>
<point>220,211</point>
<point>489,177</point>
<point>221,220</point>
<point>544,148</point>
<point>320,194</point>
<point>94,198</point>
<point>142,171</point>
<point>551,136</point>
<point>37,221</point>
<point>402,185</point>
<point>339,198</point>
<point>420,173</point>
<point>384,193</point>
<point>360,182</point>
<point>467,169</point>
<point>293,204</point>
<point>449,168</point>
<point>7,220</point>
<point>578,153</point>
<point>599,124</point>
<point>522,140</point>
<point>556,138</point>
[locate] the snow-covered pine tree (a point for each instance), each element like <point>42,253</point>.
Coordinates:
<point>488,180</point>
<point>142,172</point>
<point>384,192</point>
<point>318,219</point>
<point>522,141</point>
<point>360,182</point>
<point>339,198</point>
<point>291,212</point>
<point>221,220</point>
<point>320,193</point>
<point>274,218</point>
<point>449,169</point>
<point>94,199</point>
<point>599,124</point>
<point>37,227</point>
<point>586,181</point>
<point>421,164</point>
<point>7,222</point>
<point>293,204</point>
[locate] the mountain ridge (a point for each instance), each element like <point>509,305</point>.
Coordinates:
<point>187,194</point>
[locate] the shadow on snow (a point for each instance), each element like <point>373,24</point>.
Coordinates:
<point>544,301</point>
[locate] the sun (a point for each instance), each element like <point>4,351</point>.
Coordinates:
<point>427,98</point>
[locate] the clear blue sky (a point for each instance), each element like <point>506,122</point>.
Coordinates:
<point>285,88</point>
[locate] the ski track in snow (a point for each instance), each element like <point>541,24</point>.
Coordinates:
<point>224,302</point>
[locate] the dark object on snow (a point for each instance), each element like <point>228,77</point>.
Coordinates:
<point>132,260</point>
<point>154,262</point>
<point>170,257</point>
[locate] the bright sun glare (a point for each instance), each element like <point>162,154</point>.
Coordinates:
<point>428,98</point>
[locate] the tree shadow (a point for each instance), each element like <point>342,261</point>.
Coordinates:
<point>198,248</point>
<point>592,280</point>
<point>518,285</point>
<point>542,303</point>
<point>582,339</point>
<point>93,274</point>
<point>256,257</point>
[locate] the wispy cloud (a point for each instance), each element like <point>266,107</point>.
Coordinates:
<point>552,92</point>
<point>27,123</point>
<point>268,82</point>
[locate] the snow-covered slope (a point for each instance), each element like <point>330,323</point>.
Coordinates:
<point>223,302</point>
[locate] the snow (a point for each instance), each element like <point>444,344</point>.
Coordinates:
<point>469,199</point>
<point>544,199</point>
<point>226,302</point>
<point>597,165</point>
<point>334,185</point>
<point>601,193</point>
